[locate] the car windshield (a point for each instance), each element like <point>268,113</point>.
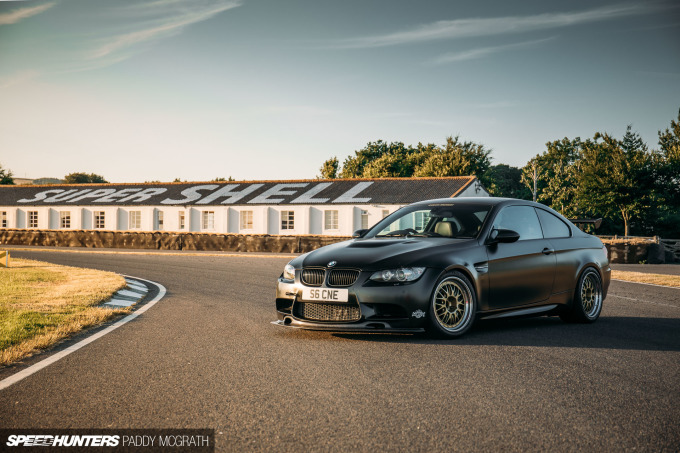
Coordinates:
<point>434,220</point>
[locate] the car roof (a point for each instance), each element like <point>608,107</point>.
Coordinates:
<point>489,201</point>
<point>496,201</point>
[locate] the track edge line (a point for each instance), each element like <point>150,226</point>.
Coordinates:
<point>642,283</point>
<point>19,376</point>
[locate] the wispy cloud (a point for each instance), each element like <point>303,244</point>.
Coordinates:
<point>120,32</point>
<point>660,73</point>
<point>82,65</point>
<point>309,110</point>
<point>481,52</point>
<point>495,105</point>
<point>172,17</point>
<point>465,28</point>
<point>17,15</point>
<point>18,78</point>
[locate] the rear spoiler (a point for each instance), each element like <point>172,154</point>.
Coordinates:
<point>595,222</point>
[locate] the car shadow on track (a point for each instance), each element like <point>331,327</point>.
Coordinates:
<point>648,334</point>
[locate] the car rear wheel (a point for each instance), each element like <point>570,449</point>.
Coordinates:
<point>588,298</point>
<point>452,306</point>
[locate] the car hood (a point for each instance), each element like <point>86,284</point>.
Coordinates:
<point>380,253</point>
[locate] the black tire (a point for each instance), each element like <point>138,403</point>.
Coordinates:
<point>453,306</point>
<point>588,297</point>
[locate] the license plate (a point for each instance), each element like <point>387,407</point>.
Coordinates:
<point>325,294</point>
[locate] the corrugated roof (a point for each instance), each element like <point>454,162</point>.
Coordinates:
<point>307,191</point>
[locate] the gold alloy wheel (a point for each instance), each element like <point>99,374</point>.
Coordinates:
<point>591,294</point>
<point>453,304</point>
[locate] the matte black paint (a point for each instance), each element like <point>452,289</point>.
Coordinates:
<point>510,266</point>
<point>507,276</point>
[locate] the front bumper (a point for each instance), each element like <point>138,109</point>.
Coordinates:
<point>396,308</point>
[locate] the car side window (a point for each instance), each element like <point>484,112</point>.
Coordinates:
<point>553,227</point>
<point>521,219</point>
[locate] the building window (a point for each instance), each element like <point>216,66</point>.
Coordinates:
<point>33,219</point>
<point>3,219</point>
<point>364,220</point>
<point>246,220</point>
<point>65,219</point>
<point>181,220</point>
<point>421,220</point>
<point>287,220</point>
<point>99,219</point>
<point>135,220</point>
<point>386,212</point>
<point>331,220</point>
<point>208,220</point>
<point>160,220</point>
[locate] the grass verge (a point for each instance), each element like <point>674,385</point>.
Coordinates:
<point>643,277</point>
<point>43,303</point>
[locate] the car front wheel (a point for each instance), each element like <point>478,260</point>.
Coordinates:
<point>452,306</point>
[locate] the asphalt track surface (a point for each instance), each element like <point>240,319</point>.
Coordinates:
<point>206,356</point>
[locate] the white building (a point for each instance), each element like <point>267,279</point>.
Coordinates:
<point>319,207</point>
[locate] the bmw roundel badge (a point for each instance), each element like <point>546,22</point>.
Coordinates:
<point>332,263</point>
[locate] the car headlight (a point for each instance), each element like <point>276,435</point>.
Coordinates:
<point>403,274</point>
<point>289,272</point>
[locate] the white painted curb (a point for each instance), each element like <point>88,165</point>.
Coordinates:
<point>128,296</point>
<point>13,379</point>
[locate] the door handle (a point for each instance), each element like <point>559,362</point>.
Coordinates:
<point>547,251</point>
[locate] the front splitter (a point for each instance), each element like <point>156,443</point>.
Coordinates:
<point>365,327</point>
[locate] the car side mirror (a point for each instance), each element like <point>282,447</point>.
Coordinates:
<point>359,233</point>
<point>505,236</point>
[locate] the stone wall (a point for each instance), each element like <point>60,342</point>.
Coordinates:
<point>160,240</point>
<point>636,252</point>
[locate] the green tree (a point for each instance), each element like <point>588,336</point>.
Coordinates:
<point>615,177</point>
<point>399,162</point>
<point>562,189</point>
<point>667,175</point>
<point>6,176</point>
<point>531,177</point>
<point>669,144</point>
<point>456,159</point>
<point>556,175</point>
<point>354,166</point>
<point>380,159</point>
<point>329,169</point>
<point>669,139</point>
<point>83,178</point>
<point>506,181</point>
<point>47,181</point>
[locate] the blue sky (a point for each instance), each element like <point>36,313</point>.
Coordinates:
<point>269,89</point>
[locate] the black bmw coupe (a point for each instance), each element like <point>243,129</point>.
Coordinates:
<point>438,265</point>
